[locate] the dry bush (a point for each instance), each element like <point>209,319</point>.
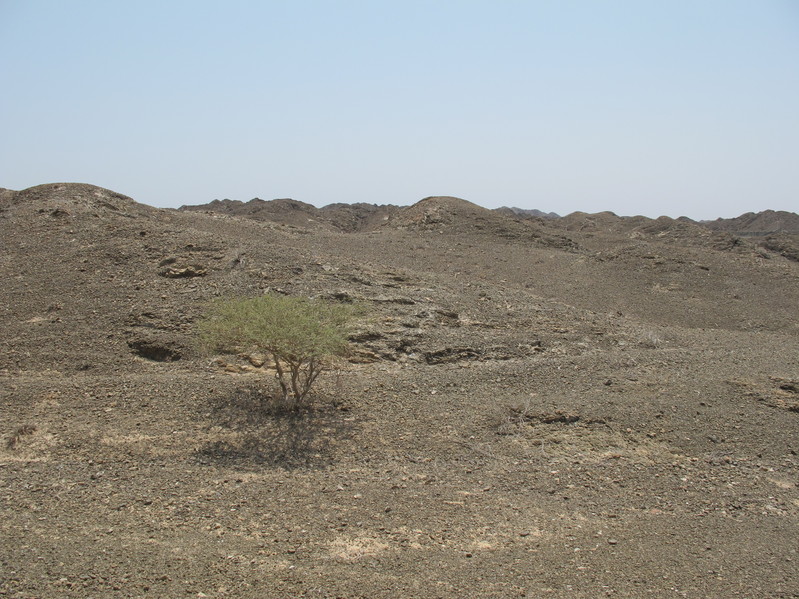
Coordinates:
<point>300,335</point>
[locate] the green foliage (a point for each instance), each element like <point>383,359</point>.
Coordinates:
<point>299,334</point>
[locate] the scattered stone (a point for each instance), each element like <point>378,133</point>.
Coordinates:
<point>257,360</point>
<point>452,354</point>
<point>185,272</point>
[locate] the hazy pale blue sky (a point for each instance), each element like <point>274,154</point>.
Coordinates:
<point>679,107</point>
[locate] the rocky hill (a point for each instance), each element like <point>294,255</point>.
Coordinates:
<point>767,222</point>
<point>334,217</point>
<point>775,231</point>
<point>583,406</point>
<point>362,217</point>
<point>524,213</point>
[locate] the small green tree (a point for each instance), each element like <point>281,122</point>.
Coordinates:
<point>299,334</point>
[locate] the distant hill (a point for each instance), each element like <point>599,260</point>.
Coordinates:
<point>766,222</point>
<point>777,229</point>
<point>524,213</point>
<point>434,212</point>
<point>285,211</point>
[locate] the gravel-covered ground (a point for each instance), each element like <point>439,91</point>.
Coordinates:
<point>582,407</point>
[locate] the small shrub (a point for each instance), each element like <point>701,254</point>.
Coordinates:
<point>300,335</point>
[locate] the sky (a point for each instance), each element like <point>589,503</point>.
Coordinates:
<point>678,108</point>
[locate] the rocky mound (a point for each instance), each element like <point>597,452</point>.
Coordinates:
<point>439,212</point>
<point>71,199</point>
<point>455,216</point>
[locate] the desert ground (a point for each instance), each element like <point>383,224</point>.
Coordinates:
<point>578,406</point>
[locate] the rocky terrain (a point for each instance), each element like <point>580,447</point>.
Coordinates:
<point>578,406</point>
<point>763,223</point>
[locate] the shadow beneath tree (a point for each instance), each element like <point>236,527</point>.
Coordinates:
<point>258,431</point>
